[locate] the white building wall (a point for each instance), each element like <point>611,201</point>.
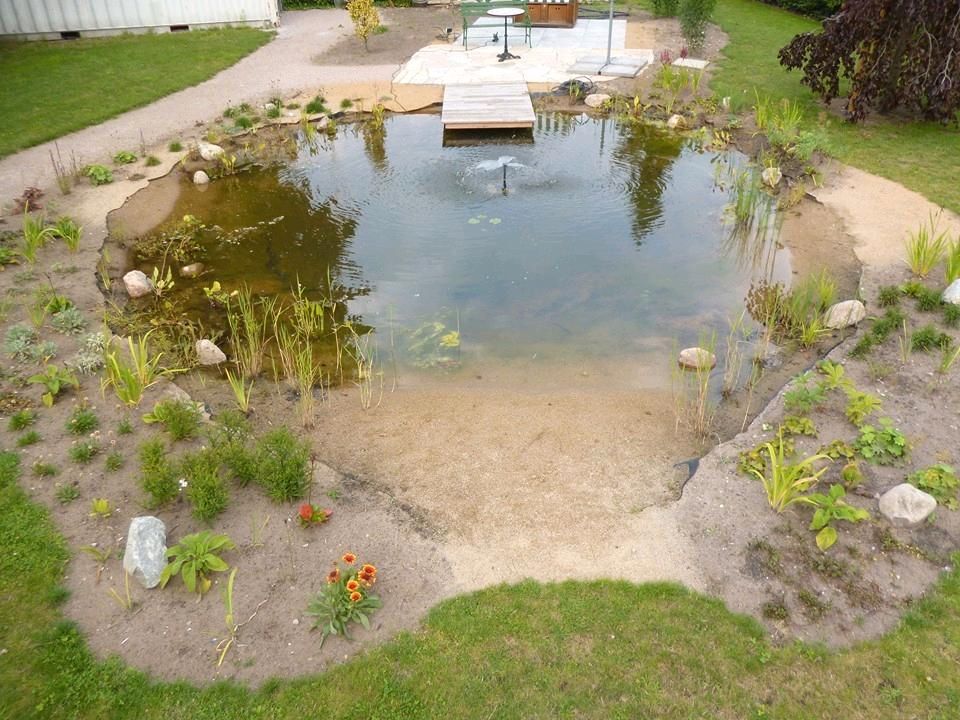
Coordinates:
<point>51,17</point>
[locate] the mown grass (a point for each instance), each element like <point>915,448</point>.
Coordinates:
<point>587,650</point>
<point>49,89</point>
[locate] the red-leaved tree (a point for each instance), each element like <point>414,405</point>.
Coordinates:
<point>895,53</point>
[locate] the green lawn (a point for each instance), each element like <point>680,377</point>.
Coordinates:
<point>579,650</point>
<point>48,89</point>
<point>923,156</point>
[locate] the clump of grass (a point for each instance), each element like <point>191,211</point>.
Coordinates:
<point>929,338</point>
<point>283,465</point>
<point>158,475</point>
<point>885,325</point>
<point>67,230</point>
<point>43,470</point>
<point>346,104</point>
<point>951,265</point>
<point>205,490</point>
<point>152,161</point>
<point>926,248</point>
<point>21,420</point>
<point>317,105</point>
<point>928,300</point>
<point>889,296</point>
<point>66,494</point>
<point>114,461</point>
<point>83,451</point>
<point>179,418</point>
<point>230,440</point>
<point>82,421</point>
<point>124,427</point>
<point>175,147</point>
<point>951,315</point>
<point>31,437</point>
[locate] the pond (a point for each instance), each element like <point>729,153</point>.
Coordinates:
<point>599,240</point>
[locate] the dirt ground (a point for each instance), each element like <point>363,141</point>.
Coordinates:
<point>451,488</point>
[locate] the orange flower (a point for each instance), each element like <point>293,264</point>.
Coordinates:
<point>353,585</point>
<point>355,597</point>
<point>369,569</point>
<point>349,558</point>
<point>333,576</point>
<point>366,579</point>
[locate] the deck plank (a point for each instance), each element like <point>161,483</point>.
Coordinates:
<point>493,105</point>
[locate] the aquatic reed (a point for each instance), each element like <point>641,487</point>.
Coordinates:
<point>926,247</point>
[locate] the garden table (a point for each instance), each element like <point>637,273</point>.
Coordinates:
<point>506,13</point>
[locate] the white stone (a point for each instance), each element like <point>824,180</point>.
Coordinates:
<point>952,293</point>
<point>145,555</point>
<point>725,103</point>
<point>137,284</point>
<point>697,358</point>
<point>771,176</point>
<point>675,121</point>
<point>209,151</point>
<point>208,353</point>
<point>595,100</point>
<point>906,505</point>
<point>192,270</point>
<point>691,63</point>
<point>200,178</point>
<point>844,314</point>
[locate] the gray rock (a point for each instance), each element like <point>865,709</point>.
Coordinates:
<point>146,553</point>
<point>952,293</point>
<point>771,176</point>
<point>844,314</point>
<point>905,505</point>
<point>595,100</point>
<point>208,353</point>
<point>200,178</point>
<point>209,151</point>
<point>137,284</point>
<point>697,358</point>
<point>676,121</point>
<point>768,357</point>
<point>192,270</point>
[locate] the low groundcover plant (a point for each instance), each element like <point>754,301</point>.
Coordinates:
<point>345,599</point>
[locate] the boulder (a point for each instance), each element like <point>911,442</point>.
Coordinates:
<point>595,100</point>
<point>676,121</point>
<point>145,555</point>
<point>192,270</point>
<point>905,505</point>
<point>208,353</point>
<point>200,178</point>
<point>952,293</point>
<point>209,151</point>
<point>844,314</point>
<point>137,284</point>
<point>771,176</point>
<point>697,358</point>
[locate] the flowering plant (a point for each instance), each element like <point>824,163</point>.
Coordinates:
<point>345,599</point>
<point>309,514</point>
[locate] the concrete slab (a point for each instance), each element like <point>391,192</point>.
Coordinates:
<point>691,63</point>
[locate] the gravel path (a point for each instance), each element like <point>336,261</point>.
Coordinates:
<point>284,66</point>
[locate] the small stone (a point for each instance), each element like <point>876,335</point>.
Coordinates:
<point>296,621</point>
<point>209,151</point>
<point>200,178</point>
<point>595,100</point>
<point>137,284</point>
<point>906,505</point>
<point>844,314</point>
<point>208,353</point>
<point>769,357</point>
<point>145,555</point>
<point>269,106</point>
<point>192,270</point>
<point>725,103</point>
<point>771,176</point>
<point>952,293</point>
<point>676,121</point>
<point>696,358</point>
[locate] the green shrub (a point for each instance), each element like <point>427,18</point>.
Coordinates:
<point>158,475</point>
<point>884,445</point>
<point>283,465</point>
<point>317,105</point>
<point>179,418</point>
<point>98,174</point>
<point>206,490</point>
<point>665,8</point>
<point>694,16</point>
<point>818,9</point>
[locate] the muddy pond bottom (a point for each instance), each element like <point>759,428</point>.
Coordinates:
<point>596,249</point>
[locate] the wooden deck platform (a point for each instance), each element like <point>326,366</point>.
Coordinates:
<point>480,107</point>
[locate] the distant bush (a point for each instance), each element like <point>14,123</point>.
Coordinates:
<point>814,8</point>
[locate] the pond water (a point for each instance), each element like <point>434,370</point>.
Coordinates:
<point>596,241</point>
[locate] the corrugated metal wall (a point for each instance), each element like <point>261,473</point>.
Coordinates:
<point>39,17</point>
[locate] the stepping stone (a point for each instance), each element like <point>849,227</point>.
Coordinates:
<point>691,63</point>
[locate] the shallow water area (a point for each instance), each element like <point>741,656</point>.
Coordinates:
<point>596,245</point>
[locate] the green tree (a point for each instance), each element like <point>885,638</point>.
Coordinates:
<point>365,19</point>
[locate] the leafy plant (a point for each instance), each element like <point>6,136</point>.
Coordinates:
<point>31,437</point>
<point>345,599</point>
<point>21,420</point>
<point>35,236</point>
<point>83,451</point>
<point>54,380</point>
<point>194,558</point>
<point>786,483</point>
<point>69,321</point>
<point>282,465</point>
<point>834,375</point>
<point>831,507</point>
<point>100,556</point>
<point>66,494</point>
<point>803,397</point>
<point>694,16</point>
<point>82,421</point>
<point>365,19</point>
<point>309,514</point>
<point>798,425</point>
<point>131,376</point>
<point>98,174</point>
<point>100,508</point>
<point>884,445</point>
<point>940,481</point>
<point>179,418</point>
<point>68,231</point>
<point>860,405</point>
<point>124,157</point>
<point>851,475</point>
<point>206,490</point>
<point>158,475</point>
<point>18,341</point>
<point>114,461</point>
<point>241,391</point>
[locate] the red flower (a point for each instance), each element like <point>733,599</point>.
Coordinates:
<point>683,51</point>
<point>353,585</point>
<point>333,576</point>
<point>349,558</point>
<point>369,569</point>
<point>306,512</point>
<point>355,597</point>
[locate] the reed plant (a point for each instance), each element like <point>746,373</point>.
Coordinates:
<point>785,483</point>
<point>733,354</point>
<point>364,356</point>
<point>926,247</point>
<point>249,330</point>
<point>35,236</point>
<point>241,391</point>
<point>131,375</point>
<point>693,404</point>
<point>67,230</point>
<point>951,266</point>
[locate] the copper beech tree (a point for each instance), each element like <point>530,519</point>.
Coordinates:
<point>894,54</point>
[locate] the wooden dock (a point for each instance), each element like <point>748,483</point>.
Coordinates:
<point>489,106</point>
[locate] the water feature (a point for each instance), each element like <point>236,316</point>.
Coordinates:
<point>598,241</point>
